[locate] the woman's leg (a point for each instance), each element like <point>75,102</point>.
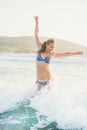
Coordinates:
<point>39,86</point>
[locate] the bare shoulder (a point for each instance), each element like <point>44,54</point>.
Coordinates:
<point>56,55</point>
<point>53,54</point>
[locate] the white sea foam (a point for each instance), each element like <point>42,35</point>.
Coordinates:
<point>66,103</point>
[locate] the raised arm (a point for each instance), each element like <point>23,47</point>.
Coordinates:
<point>39,44</point>
<point>67,54</point>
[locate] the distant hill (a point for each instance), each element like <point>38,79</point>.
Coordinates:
<point>26,44</point>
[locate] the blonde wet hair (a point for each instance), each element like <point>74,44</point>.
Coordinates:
<point>43,48</point>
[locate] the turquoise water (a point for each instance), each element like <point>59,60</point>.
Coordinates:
<point>22,108</point>
<point>23,118</point>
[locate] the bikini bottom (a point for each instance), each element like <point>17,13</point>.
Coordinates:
<point>42,83</point>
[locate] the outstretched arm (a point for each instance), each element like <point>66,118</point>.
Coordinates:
<point>39,44</point>
<point>67,54</point>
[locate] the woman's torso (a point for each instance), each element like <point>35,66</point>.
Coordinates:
<point>42,66</point>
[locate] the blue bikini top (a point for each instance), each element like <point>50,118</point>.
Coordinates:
<point>46,59</point>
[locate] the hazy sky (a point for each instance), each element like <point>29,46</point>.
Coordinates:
<point>63,19</point>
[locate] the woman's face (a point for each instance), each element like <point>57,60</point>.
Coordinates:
<point>50,47</point>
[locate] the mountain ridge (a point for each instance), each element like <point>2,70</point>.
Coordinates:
<point>26,44</point>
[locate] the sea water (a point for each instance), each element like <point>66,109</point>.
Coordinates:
<point>62,107</point>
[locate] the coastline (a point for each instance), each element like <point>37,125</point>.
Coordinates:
<point>26,44</point>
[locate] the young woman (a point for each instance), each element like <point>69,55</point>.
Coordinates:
<point>44,55</point>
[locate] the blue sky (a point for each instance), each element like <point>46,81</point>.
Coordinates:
<point>63,19</point>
